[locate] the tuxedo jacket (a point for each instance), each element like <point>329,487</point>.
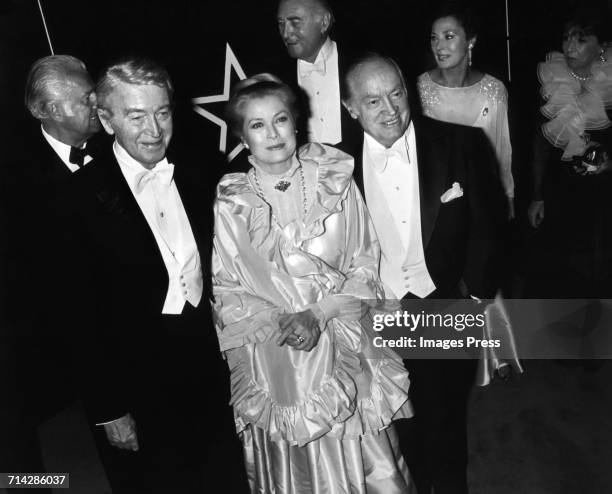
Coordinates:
<point>459,237</point>
<point>44,260</point>
<point>129,282</point>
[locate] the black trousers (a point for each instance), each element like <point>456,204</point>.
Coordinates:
<point>184,423</point>
<point>434,441</point>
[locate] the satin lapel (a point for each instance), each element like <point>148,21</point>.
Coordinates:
<point>114,192</point>
<point>433,154</point>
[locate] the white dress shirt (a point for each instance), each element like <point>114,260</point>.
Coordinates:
<point>159,200</point>
<point>63,151</point>
<point>321,81</point>
<point>391,183</point>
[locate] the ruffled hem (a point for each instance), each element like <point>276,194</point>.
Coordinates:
<point>334,408</point>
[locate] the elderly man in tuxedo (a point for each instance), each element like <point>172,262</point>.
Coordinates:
<point>435,207</point>
<point>304,26</point>
<point>40,306</point>
<point>158,389</point>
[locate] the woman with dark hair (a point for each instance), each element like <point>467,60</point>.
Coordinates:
<point>295,254</point>
<point>454,92</point>
<point>572,202</point>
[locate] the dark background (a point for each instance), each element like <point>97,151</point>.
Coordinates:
<point>189,37</point>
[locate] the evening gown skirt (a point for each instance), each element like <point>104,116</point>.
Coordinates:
<point>339,439</point>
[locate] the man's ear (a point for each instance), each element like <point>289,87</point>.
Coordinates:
<point>53,111</point>
<point>105,119</point>
<point>347,104</point>
<point>325,22</point>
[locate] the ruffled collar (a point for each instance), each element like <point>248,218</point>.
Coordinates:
<point>574,107</point>
<point>333,170</point>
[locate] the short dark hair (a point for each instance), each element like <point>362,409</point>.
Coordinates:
<point>588,20</point>
<point>461,12</point>
<point>367,57</point>
<point>258,86</point>
<point>46,77</point>
<point>139,71</point>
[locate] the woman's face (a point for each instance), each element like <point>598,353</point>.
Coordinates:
<point>580,50</point>
<point>269,131</point>
<point>449,43</point>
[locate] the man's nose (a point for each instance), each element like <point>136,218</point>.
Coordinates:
<point>93,100</point>
<point>153,127</point>
<point>286,30</point>
<point>389,106</point>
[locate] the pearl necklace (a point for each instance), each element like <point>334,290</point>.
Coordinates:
<point>260,193</point>
<point>581,78</point>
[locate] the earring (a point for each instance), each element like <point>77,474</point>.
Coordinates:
<point>470,55</point>
<point>602,56</point>
<point>245,145</point>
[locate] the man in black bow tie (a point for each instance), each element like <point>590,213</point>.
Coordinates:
<point>42,306</point>
<point>158,399</point>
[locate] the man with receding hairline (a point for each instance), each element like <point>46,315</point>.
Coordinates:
<point>42,309</point>
<point>304,26</point>
<point>436,207</point>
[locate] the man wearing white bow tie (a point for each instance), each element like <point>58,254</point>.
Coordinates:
<point>304,26</point>
<point>436,208</point>
<point>154,375</point>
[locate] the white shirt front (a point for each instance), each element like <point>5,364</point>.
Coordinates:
<point>321,81</point>
<point>159,200</point>
<point>391,183</point>
<point>63,151</point>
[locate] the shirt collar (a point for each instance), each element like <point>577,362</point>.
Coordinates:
<point>320,64</point>
<point>132,169</point>
<point>379,153</point>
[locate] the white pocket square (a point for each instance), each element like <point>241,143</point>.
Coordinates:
<point>453,193</point>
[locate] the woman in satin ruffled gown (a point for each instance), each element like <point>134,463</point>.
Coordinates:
<point>294,255</point>
<point>571,205</point>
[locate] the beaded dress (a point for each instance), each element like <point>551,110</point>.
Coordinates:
<point>317,421</point>
<point>483,104</point>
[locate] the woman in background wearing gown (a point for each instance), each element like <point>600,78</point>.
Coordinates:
<point>454,92</point>
<point>571,206</point>
<point>294,255</point>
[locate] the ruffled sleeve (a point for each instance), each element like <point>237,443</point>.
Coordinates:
<point>240,316</point>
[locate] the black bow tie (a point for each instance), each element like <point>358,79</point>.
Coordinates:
<point>77,156</point>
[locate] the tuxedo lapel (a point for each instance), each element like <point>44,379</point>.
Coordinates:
<point>432,156</point>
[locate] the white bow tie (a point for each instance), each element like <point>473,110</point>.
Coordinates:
<point>384,155</point>
<point>307,68</point>
<point>162,173</point>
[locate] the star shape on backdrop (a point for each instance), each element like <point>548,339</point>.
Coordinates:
<point>231,62</point>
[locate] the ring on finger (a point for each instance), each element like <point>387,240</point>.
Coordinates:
<point>301,339</point>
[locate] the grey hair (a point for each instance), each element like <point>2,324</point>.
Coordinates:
<point>46,78</point>
<point>138,71</point>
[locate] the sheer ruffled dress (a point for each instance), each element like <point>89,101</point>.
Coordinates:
<point>314,421</point>
<point>572,255</point>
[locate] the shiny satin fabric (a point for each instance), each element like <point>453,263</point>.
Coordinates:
<point>372,465</point>
<point>288,401</point>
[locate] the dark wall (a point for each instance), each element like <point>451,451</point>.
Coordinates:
<point>189,37</point>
